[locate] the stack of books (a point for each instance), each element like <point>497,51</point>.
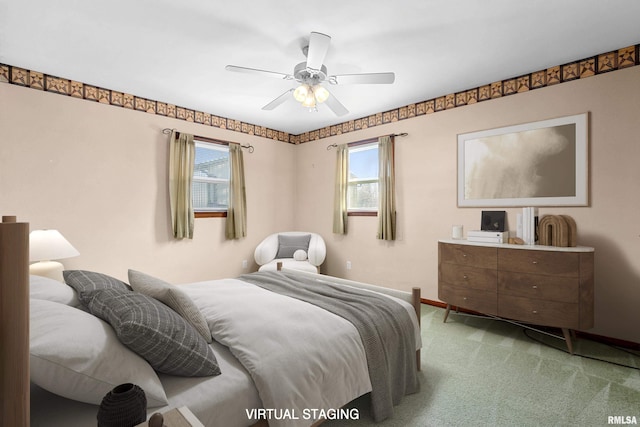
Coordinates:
<point>488,236</point>
<point>529,226</point>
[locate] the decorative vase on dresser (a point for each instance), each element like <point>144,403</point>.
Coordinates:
<point>534,284</point>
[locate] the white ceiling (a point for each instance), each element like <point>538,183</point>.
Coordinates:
<point>176,51</point>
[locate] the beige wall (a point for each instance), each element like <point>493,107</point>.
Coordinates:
<point>426,185</point>
<point>98,174</point>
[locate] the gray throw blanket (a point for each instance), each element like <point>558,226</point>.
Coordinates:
<point>384,325</point>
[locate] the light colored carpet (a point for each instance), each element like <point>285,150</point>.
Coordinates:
<point>484,372</point>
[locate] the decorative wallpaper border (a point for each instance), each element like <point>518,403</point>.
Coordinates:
<point>599,64</point>
<point>39,81</point>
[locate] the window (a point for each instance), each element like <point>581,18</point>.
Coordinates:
<point>210,187</point>
<point>362,193</point>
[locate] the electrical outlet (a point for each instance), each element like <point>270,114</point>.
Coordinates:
<point>348,265</point>
<point>245,264</point>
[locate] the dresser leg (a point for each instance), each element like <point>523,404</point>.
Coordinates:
<point>567,337</point>
<point>446,313</point>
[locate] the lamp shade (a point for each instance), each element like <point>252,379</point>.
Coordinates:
<point>47,245</point>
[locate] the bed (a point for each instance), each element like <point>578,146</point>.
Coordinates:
<point>281,360</point>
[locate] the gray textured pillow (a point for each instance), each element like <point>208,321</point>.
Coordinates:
<point>87,281</point>
<point>287,245</point>
<point>155,332</point>
<point>172,296</point>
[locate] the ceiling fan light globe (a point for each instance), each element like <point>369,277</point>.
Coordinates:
<point>301,93</point>
<point>320,93</point>
<point>310,101</point>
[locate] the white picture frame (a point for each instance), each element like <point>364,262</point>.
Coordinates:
<point>542,163</point>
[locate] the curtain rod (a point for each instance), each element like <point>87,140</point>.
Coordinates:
<point>329,147</point>
<point>249,147</point>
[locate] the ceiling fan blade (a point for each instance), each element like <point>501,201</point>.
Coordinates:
<point>318,47</point>
<point>335,106</point>
<point>279,100</point>
<point>257,71</point>
<point>367,78</point>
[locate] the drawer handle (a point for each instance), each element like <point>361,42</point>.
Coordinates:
<point>535,311</point>
<point>534,262</point>
<point>464,255</point>
<point>464,298</point>
<point>535,286</point>
<point>465,277</point>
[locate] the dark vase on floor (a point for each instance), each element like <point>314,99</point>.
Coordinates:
<point>124,406</point>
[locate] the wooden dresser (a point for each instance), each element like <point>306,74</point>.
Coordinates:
<point>539,285</point>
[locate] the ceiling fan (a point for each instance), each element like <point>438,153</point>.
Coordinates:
<point>312,74</point>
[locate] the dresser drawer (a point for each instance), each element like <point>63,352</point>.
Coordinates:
<point>468,277</point>
<point>472,299</point>
<point>539,262</point>
<point>473,256</point>
<point>539,312</point>
<point>552,288</point>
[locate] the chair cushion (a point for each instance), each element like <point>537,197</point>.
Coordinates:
<point>289,264</point>
<point>300,255</point>
<point>287,244</point>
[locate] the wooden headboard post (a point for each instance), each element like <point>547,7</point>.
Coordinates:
<point>14,322</point>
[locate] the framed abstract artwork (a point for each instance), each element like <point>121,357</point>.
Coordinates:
<point>542,163</point>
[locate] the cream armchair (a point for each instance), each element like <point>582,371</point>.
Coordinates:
<point>297,250</point>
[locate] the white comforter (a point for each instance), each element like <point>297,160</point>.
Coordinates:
<point>301,358</point>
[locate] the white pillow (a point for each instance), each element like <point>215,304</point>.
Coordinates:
<point>172,296</point>
<point>45,288</point>
<point>300,255</point>
<point>78,356</point>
